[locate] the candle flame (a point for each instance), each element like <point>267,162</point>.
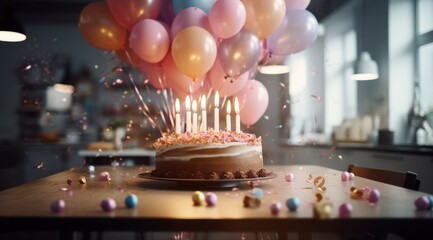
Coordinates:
<point>229,107</point>
<point>203,102</point>
<point>194,106</point>
<point>236,105</point>
<point>177,105</point>
<point>187,103</point>
<point>217,99</point>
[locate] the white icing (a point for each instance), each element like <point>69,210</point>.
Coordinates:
<point>243,148</point>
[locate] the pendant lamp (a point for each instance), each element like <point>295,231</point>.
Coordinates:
<point>365,68</point>
<point>11,30</point>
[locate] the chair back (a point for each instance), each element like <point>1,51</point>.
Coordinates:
<point>406,179</point>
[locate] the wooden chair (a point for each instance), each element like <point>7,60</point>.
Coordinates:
<point>406,179</point>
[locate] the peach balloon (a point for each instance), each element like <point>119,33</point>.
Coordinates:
<point>263,17</point>
<point>128,12</point>
<point>100,28</point>
<point>194,51</point>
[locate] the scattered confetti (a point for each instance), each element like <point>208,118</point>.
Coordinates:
<point>356,193</point>
<point>82,180</point>
<point>315,97</point>
<point>40,166</point>
<point>319,182</point>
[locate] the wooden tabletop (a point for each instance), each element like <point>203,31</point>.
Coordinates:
<point>165,206</point>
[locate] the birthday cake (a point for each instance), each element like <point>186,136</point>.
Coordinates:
<point>209,155</point>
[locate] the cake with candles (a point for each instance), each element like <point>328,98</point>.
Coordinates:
<point>209,155</point>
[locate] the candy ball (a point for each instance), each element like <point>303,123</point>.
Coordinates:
<point>293,203</point>
<point>257,192</point>
<point>351,176</point>
<point>108,204</point>
<point>69,181</point>
<point>58,206</point>
<point>430,198</point>
<point>211,199</point>
<point>423,203</point>
<point>344,176</point>
<point>90,169</point>
<point>198,198</point>
<point>275,208</point>
<point>289,177</point>
<point>104,176</point>
<point>374,196</point>
<point>345,210</point>
<point>131,201</point>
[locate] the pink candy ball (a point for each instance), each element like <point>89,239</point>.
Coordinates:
<point>58,206</point>
<point>104,176</point>
<point>351,176</point>
<point>423,203</point>
<point>345,210</point>
<point>211,199</point>
<point>374,196</point>
<point>289,177</point>
<point>275,208</point>
<point>108,204</point>
<point>345,176</point>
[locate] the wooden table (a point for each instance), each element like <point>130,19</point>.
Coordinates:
<point>164,207</point>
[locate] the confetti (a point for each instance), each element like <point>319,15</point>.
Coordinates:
<point>82,180</point>
<point>40,166</point>
<point>315,97</point>
<point>356,193</point>
<point>322,210</point>
<point>319,182</point>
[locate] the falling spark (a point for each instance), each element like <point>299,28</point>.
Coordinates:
<point>316,97</point>
<point>40,166</point>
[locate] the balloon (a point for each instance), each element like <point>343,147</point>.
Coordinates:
<point>150,40</point>
<point>226,86</point>
<point>194,51</point>
<point>128,12</point>
<point>189,17</point>
<point>100,28</point>
<point>177,80</point>
<point>298,30</point>
<point>239,53</point>
<point>299,4</point>
<point>128,56</point>
<point>154,73</point>
<point>253,101</point>
<point>179,5</point>
<point>263,17</point>
<point>227,17</point>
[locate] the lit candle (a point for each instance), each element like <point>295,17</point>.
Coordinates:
<point>228,118</point>
<point>238,117</point>
<point>203,114</point>
<point>177,122</point>
<point>194,116</point>
<point>188,114</point>
<point>216,112</point>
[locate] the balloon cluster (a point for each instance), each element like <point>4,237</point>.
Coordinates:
<point>198,46</point>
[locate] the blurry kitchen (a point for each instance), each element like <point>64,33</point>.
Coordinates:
<point>62,98</point>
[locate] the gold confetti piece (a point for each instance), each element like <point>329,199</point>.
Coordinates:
<point>322,210</point>
<point>82,180</point>
<point>310,177</point>
<point>356,193</point>
<point>251,201</point>
<point>319,197</point>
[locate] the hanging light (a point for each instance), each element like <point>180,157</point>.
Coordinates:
<point>274,69</point>
<point>365,68</point>
<point>11,30</point>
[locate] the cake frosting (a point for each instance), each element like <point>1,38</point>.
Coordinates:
<point>209,155</point>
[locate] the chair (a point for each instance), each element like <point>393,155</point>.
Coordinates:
<point>406,179</point>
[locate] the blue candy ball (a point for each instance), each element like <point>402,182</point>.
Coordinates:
<point>257,192</point>
<point>293,203</point>
<point>131,201</point>
<point>430,198</point>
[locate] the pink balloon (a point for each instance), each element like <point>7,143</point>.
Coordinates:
<point>226,86</point>
<point>298,31</point>
<point>179,81</point>
<point>128,12</point>
<point>227,17</point>
<point>253,101</point>
<point>297,4</point>
<point>154,73</point>
<point>239,53</point>
<point>189,17</point>
<point>149,39</point>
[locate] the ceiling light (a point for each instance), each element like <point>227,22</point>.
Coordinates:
<point>11,30</point>
<point>274,69</point>
<point>365,68</point>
